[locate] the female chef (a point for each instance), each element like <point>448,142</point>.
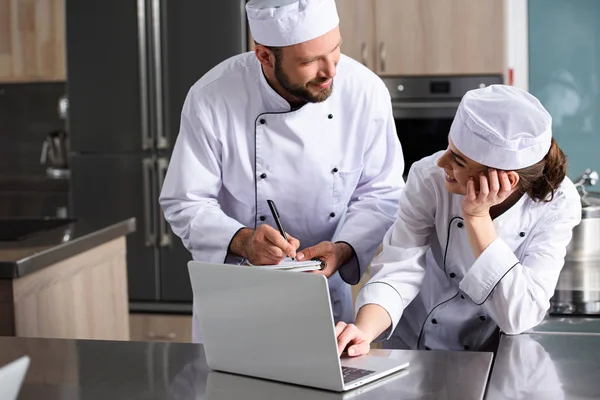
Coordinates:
<point>480,236</point>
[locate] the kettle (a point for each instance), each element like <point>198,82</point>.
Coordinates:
<point>55,155</point>
<point>578,287</point>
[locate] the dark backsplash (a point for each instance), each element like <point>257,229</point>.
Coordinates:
<point>28,112</point>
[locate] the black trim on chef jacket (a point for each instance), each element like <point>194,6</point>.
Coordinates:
<point>263,176</point>
<point>499,280</point>
<point>262,122</point>
<point>427,318</point>
<point>229,245</point>
<point>357,265</point>
<point>385,283</point>
<point>457,293</point>
<point>448,238</point>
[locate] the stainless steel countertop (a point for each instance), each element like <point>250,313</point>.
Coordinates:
<point>546,366</point>
<point>48,254</point>
<point>80,369</point>
<point>569,325</point>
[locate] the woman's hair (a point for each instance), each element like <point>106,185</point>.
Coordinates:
<point>541,180</point>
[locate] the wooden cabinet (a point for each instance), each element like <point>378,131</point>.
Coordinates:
<point>356,27</point>
<point>431,37</point>
<point>160,327</point>
<point>32,40</point>
<point>80,297</point>
<point>424,37</point>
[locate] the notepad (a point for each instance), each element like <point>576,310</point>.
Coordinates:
<point>294,265</point>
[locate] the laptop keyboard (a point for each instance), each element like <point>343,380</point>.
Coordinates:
<point>352,374</point>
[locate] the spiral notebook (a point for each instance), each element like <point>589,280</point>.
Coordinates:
<point>288,264</point>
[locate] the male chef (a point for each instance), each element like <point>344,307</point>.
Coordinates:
<point>298,123</point>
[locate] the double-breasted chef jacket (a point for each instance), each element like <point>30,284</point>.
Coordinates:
<point>333,168</point>
<point>435,291</point>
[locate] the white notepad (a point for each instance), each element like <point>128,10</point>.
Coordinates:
<point>294,265</point>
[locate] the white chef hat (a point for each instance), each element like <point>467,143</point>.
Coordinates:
<point>280,23</point>
<point>502,127</point>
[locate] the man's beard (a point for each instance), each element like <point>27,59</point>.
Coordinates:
<point>301,90</point>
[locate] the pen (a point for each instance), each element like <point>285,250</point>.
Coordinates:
<point>273,208</point>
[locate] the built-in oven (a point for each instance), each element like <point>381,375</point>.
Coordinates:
<point>424,108</point>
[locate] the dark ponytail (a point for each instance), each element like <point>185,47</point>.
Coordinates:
<point>541,180</point>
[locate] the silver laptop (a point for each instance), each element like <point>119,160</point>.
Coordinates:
<point>226,386</point>
<point>276,325</point>
<point>11,378</point>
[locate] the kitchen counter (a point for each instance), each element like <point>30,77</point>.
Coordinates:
<point>546,366</point>
<point>569,325</point>
<point>81,369</point>
<point>35,252</point>
<point>58,280</point>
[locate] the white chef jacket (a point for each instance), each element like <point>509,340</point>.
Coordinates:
<point>333,168</point>
<point>437,295</point>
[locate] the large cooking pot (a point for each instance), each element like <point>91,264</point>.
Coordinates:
<point>578,288</point>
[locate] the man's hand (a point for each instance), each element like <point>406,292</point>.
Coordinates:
<point>334,254</point>
<point>264,246</point>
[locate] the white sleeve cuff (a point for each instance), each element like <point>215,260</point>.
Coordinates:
<point>488,270</point>
<point>384,295</point>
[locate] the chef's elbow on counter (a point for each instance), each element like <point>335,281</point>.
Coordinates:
<point>522,320</point>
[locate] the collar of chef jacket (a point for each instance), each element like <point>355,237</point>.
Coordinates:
<point>273,100</point>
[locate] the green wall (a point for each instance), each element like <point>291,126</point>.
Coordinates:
<point>564,73</point>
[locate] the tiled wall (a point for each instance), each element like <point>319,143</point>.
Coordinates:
<point>28,112</point>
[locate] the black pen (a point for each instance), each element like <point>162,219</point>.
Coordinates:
<point>273,208</point>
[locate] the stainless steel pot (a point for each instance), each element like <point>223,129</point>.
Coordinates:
<point>578,288</point>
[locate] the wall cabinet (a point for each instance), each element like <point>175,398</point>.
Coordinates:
<point>356,27</point>
<point>424,37</point>
<point>32,40</point>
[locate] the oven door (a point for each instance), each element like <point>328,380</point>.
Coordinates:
<point>423,127</point>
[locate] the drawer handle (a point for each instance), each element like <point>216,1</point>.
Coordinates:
<point>382,56</point>
<point>168,336</point>
<point>363,53</point>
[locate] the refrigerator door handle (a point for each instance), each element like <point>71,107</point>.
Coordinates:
<point>244,23</point>
<point>147,139</point>
<point>149,172</point>
<point>166,238</point>
<point>162,141</point>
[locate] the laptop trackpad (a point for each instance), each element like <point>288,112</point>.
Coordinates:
<point>372,363</point>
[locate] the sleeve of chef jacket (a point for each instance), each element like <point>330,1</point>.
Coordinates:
<point>193,180</point>
<point>398,271</point>
<point>374,203</point>
<point>516,293</point>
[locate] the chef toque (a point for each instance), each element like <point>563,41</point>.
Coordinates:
<point>280,23</point>
<point>502,127</point>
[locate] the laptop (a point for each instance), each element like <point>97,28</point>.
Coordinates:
<point>226,386</point>
<point>276,325</point>
<point>11,378</point>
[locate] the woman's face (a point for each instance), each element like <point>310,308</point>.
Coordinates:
<point>459,168</point>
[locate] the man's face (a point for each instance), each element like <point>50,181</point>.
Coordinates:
<point>306,70</point>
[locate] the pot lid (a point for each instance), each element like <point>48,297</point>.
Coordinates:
<point>590,205</point>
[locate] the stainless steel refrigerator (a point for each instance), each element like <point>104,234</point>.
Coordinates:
<point>130,65</point>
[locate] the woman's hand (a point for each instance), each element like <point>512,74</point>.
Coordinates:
<point>494,188</point>
<point>348,335</point>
